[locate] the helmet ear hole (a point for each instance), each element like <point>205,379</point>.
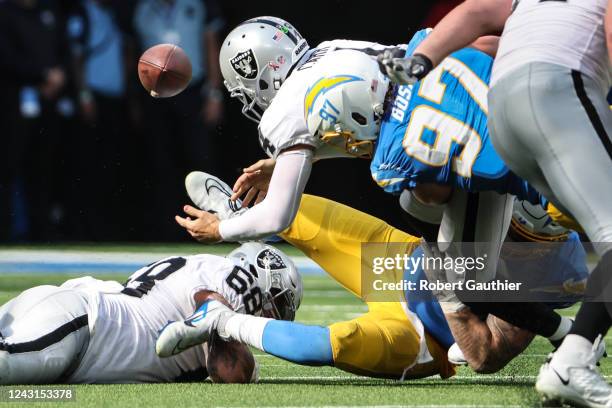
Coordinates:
<point>359,118</point>
<point>263,85</point>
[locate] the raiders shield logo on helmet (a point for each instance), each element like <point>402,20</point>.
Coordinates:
<point>267,259</point>
<point>245,64</point>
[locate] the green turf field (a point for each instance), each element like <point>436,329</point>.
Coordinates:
<point>284,384</point>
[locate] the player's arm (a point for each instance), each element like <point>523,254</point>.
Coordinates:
<point>461,27</point>
<point>464,25</point>
<point>271,216</point>
<point>487,345</point>
<point>254,181</point>
<point>487,44</point>
<point>277,210</point>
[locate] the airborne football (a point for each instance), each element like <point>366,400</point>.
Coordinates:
<point>325,204</point>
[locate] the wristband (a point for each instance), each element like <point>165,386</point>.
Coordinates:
<point>425,66</point>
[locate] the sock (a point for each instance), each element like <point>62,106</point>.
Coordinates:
<point>298,343</point>
<point>245,329</point>
<point>564,328</point>
<point>593,318</point>
<point>591,321</point>
<point>574,351</point>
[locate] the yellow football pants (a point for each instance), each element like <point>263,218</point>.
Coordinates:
<point>382,342</point>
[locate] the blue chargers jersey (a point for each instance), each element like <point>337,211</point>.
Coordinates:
<point>558,278</point>
<point>561,273</point>
<point>435,131</point>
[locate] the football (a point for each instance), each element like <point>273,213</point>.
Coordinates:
<point>227,362</point>
<point>164,70</point>
<point>230,362</point>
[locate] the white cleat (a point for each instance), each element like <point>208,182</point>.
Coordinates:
<point>581,385</point>
<point>455,355</point>
<point>211,194</point>
<point>176,337</point>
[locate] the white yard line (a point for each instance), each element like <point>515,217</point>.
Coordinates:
<point>380,406</point>
<point>11,261</point>
<point>475,378</point>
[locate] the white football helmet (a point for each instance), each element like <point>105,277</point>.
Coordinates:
<point>345,106</point>
<point>255,59</point>
<point>277,276</point>
<point>533,223</point>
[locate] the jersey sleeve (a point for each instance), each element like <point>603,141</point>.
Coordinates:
<point>391,167</point>
<point>417,39</point>
<point>283,126</point>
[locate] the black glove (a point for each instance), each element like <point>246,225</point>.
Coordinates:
<point>404,70</point>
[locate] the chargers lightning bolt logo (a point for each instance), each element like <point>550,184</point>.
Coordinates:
<point>322,86</point>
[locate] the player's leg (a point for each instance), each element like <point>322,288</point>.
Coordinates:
<point>565,126</point>
<point>484,218</point>
<point>331,234</point>
<point>487,345</point>
<point>569,142</point>
<point>45,331</point>
<point>385,343</point>
<point>563,119</point>
<point>381,343</point>
<point>295,342</point>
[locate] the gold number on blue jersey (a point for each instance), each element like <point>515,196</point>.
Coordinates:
<point>447,128</point>
<point>433,89</point>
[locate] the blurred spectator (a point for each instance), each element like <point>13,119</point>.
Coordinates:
<point>102,85</point>
<point>33,78</point>
<point>176,128</point>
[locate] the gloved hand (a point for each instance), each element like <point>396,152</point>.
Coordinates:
<point>404,71</point>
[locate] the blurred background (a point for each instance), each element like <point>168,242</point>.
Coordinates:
<point>88,155</point>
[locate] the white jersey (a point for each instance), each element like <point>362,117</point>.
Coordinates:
<point>568,33</point>
<point>283,124</point>
<point>124,320</point>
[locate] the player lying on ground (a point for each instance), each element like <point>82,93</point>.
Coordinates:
<point>395,339</point>
<point>92,331</point>
<point>289,132</point>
